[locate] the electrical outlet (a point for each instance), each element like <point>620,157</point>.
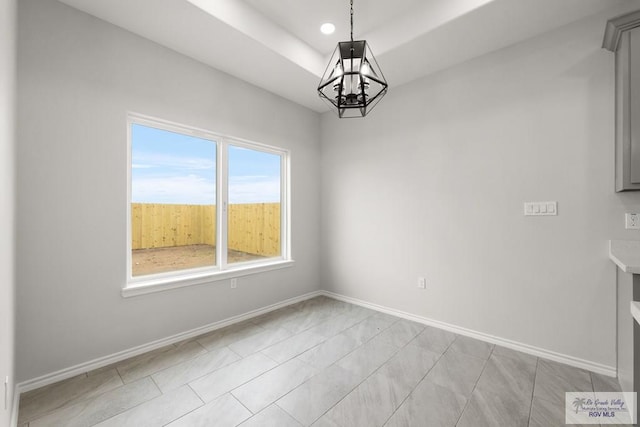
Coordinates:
<point>234,283</point>
<point>632,221</point>
<point>422,283</point>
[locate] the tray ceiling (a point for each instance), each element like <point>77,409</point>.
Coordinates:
<point>277,45</point>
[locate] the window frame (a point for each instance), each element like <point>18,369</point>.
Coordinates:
<point>139,285</point>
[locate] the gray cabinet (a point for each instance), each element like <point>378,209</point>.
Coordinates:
<point>622,36</point>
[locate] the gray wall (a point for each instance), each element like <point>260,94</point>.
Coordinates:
<point>7,170</point>
<point>78,77</point>
<point>433,183</point>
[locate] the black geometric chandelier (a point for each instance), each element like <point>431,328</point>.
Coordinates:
<point>353,82</point>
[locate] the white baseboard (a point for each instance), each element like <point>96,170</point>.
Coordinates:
<point>125,354</point>
<point>514,345</point>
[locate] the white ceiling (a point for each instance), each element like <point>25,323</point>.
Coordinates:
<point>277,44</point>
<point>303,18</point>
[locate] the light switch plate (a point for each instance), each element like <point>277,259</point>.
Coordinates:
<point>540,208</point>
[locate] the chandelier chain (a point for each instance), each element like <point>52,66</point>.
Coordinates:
<point>351,20</point>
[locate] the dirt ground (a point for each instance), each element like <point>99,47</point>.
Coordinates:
<point>159,260</point>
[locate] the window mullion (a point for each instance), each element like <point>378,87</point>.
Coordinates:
<point>223,196</point>
<point>284,208</point>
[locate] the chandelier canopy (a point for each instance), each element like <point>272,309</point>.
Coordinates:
<point>353,82</point>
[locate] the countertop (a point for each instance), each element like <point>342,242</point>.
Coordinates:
<point>626,255</point>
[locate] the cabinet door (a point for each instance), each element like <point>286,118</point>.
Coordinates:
<point>634,103</point>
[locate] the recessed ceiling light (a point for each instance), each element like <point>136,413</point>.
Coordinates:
<point>327,28</point>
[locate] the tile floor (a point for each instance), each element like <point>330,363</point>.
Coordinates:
<point>320,362</point>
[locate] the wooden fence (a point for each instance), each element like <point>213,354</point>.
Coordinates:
<point>253,228</point>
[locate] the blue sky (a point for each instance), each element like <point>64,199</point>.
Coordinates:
<point>172,168</point>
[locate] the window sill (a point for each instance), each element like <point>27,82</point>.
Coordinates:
<point>166,283</point>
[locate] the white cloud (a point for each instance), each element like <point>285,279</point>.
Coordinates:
<point>190,189</point>
<point>193,189</point>
<point>165,160</point>
<point>250,178</point>
<point>247,189</point>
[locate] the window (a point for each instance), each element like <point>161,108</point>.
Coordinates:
<point>254,204</point>
<point>202,206</point>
